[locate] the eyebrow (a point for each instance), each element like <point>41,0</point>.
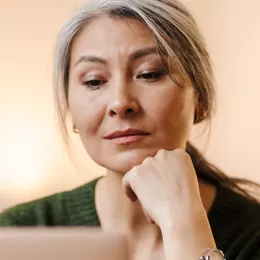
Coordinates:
<point>134,56</point>
<point>142,53</point>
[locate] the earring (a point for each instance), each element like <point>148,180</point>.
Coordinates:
<point>75,130</point>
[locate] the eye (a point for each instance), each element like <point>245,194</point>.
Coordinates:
<point>151,76</point>
<point>94,84</point>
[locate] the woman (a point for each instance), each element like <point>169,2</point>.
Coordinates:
<point>135,76</point>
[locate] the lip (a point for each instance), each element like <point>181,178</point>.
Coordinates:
<point>128,136</point>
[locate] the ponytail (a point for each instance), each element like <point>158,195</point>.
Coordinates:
<point>210,173</point>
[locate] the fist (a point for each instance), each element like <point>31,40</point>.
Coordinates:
<point>166,185</point>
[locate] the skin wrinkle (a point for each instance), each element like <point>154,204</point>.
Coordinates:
<point>178,101</point>
<point>164,106</point>
<point>159,106</point>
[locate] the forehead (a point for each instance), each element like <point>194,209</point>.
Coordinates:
<point>107,36</point>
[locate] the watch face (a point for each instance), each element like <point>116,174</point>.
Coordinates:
<point>216,255</point>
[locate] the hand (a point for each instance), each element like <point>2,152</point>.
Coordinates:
<point>166,186</point>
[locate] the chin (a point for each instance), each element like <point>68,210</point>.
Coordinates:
<point>124,162</point>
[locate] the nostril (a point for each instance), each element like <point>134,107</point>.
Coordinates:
<point>129,110</point>
<point>112,113</point>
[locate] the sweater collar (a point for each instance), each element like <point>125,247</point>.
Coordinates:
<point>223,216</point>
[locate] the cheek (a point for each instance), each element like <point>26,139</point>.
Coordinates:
<point>87,113</point>
<point>173,110</point>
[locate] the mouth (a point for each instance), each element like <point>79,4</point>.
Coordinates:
<point>128,136</point>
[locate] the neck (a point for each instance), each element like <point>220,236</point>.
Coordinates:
<point>114,208</point>
<point>116,211</point>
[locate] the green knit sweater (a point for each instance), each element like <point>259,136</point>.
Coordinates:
<point>234,219</point>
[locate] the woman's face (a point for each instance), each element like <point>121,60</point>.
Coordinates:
<point>122,101</point>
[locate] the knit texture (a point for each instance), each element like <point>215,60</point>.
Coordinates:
<point>234,219</point>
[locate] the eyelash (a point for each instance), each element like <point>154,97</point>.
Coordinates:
<point>158,74</point>
<point>89,82</point>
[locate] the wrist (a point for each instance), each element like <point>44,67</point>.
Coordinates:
<point>187,242</point>
<point>195,221</point>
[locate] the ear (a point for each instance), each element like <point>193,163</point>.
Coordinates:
<point>200,112</point>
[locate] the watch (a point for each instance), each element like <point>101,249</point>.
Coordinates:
<point>213,254</point>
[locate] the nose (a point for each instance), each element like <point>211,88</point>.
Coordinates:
<point>122,104</point>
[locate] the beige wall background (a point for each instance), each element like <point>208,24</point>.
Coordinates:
<point>33,162</point>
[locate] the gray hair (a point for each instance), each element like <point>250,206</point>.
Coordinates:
<point>176,35</point>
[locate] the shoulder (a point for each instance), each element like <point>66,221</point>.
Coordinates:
<point>52,210</point>
<point>236,225</point>
<point>247,242</point>
<point>32,213</point>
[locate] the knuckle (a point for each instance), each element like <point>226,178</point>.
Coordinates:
<point>129,179</point>
<point>161,152</point>
<point>134,172</point>
<point>147,160</point>
<point>130,175</point>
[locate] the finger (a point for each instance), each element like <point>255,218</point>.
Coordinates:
<point>128,189</point>
<point>130,194</point>
<point>149,219</point>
